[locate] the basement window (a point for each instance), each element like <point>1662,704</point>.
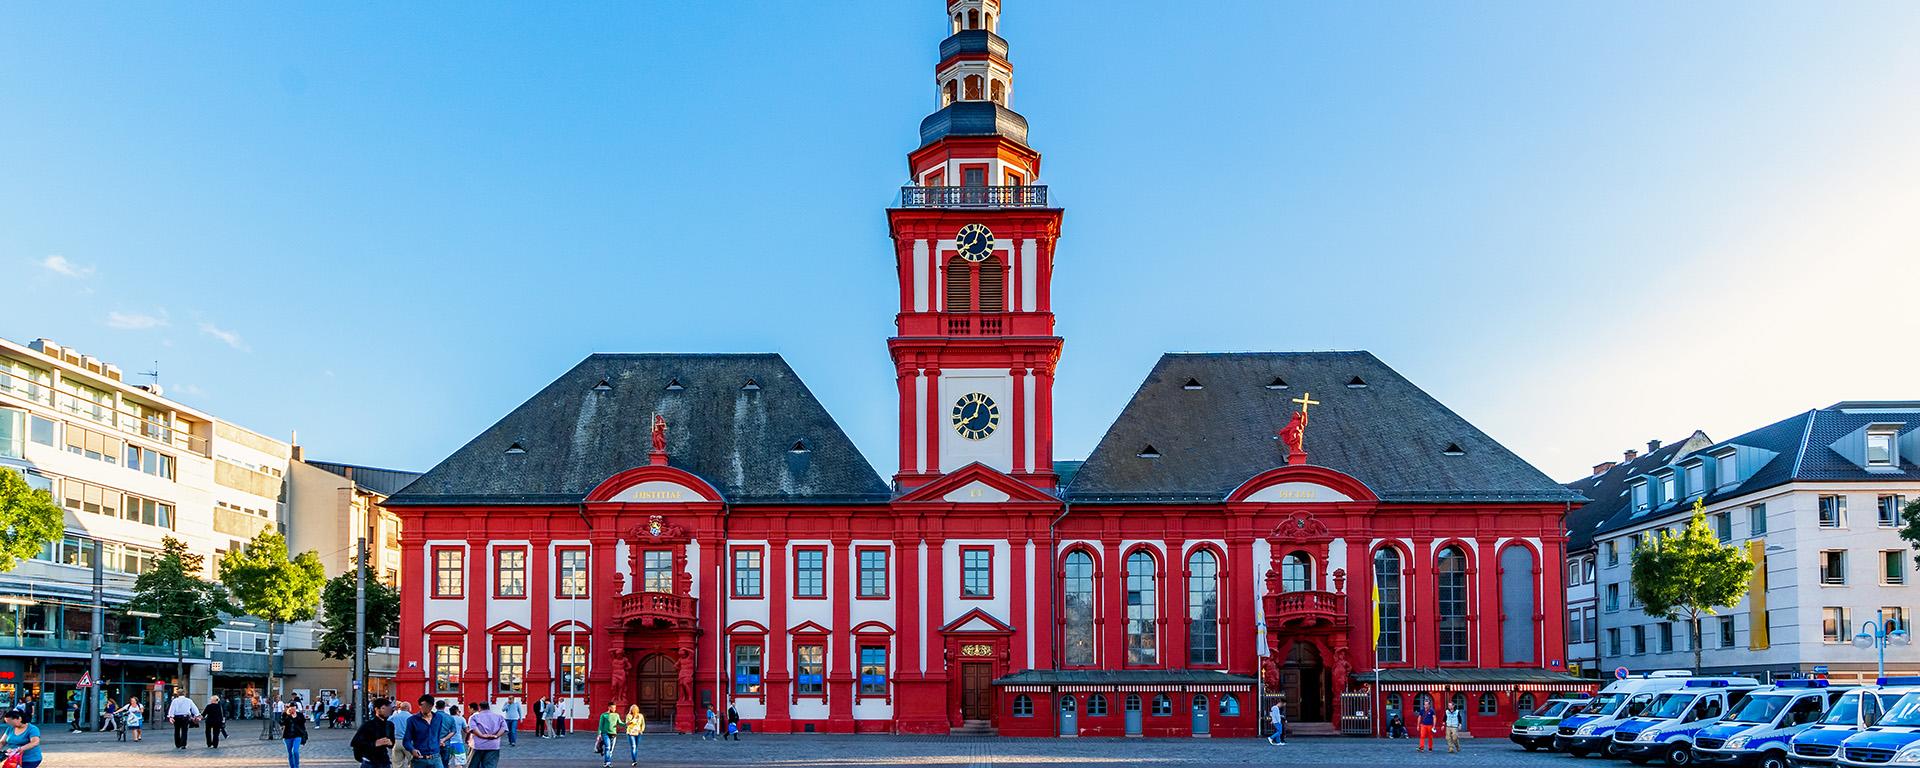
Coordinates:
<point>515,450</point>
<point>1148,452</point>
<point>1277,383</point>
<point>674,386</point>
<point>603,386</point>
<point>1454,449</point>
<point>750,386</point>
<point>1191,384</point>
<point>1356,383</point>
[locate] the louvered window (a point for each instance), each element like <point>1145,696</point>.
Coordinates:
<point>959,285</point>
<point>993,286</point>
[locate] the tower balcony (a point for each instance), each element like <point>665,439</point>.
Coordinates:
<point>987,324</point>
<point>1024,196</point>
<point>656,610</point>
<point>1306,610</point>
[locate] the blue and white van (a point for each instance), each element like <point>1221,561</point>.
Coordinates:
<point>1895,739</point>
<point>1591,729</point>
<point>1757,732</point>
<point>1854,711</point>
<point>1668,727</point>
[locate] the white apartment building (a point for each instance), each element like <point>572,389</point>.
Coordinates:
<point>1815,500</point>
<point>131,467</point>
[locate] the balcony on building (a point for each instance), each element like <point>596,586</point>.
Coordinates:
<point>1022,196</point>
<point>656,610</point>
<point>1305,609</point>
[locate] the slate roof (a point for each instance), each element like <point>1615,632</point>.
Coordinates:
<point>1123,677</point>
<point>740,438</point>
<point>1608,490</point>
<point>1388,434</point>
<point>381,481</point>
<point>1803,448</point>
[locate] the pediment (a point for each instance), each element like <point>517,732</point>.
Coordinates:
<point>977,483</point>
<point>976,621</point>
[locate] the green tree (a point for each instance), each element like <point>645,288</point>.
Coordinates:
<point>28,520</point>
<point>336,614</point>
<point>177,603</point>
<point>273,586</point>
<point>1910,525</point>
<point>1690,575</point>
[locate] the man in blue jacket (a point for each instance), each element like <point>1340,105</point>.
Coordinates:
<point>422,737</point>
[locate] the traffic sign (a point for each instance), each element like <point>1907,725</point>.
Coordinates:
<point>1620,673</point>
<point>86,681</point>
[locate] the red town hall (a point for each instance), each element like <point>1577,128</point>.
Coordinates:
<point>683,531</point>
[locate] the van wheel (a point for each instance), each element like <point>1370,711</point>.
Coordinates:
<point>1774,759</point>
<point>1679,755</point>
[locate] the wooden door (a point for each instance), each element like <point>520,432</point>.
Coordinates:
<point>658,691</point>
<point>976,691</point>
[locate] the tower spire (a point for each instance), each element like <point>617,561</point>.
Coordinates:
<point>973,81</point>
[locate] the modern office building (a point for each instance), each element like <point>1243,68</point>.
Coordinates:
<point>337,504</point>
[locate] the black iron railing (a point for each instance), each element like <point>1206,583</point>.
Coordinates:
<point>1025,196</point>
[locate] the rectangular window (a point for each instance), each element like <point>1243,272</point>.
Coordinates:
<point>746,572</point>
<point>510,667</point>
<point>1833,625</point>
<point>148,511</point>
<point>13,434</point>
<point>509,573</point>
<point>873,670</point>
<point>976,572</point>
<point>1573,628</point>
<point>656,569</point>
<point>873,573</point>
<point>149,461</point>
<point>1833,566</point>
<point>809,670</point>
<point>1756,519</point>
<point>1613,597</point>
<point>573,670</point>
<point>1896,617</point>
<point>1613,641</point>
<point>40,429</point>
<point>1697,480</point>
<point>446,668</point>
<point>22,380</point>
<point>1640,639</point>
<point>1726,631</point>
<point>1613,553</point>
<point>1666,637</point>
<point>1833,511</point>
<point>1880,449</point>
<point>449,573</point>
<point>1573,574</point>
<point>1728,466</point>
<point>1723,525</point>
<point>1893,567</point>
<point>1669,490</point>
<point>1591,624</point>
<point>94,445</point>
<point>86,402</point>
<point>1640,496</point>
<point>1890,507</point>
<point>573,571</point>
<point>810,573</point>
<point>746,670</point>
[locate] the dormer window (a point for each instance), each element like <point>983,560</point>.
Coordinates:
<point>1880,449</point>
<point>1729,469</point>
<point>1697,478</point>
<point>1191,384</point>
<point>1640,502</point>
<point>1669,488</point>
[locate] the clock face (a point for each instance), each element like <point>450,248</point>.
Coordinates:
<point>975,416</point>
<point>975,242</point>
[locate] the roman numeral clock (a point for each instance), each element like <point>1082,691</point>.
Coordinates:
<point>975,416</point>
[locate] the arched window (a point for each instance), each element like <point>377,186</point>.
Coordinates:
<point>973,19</point>
<point>993,285</point>
<point>990,26</point>
<point>999,92</point>
<point>958,23</point>
<point>1386,605</point>
<point>1422,700</point>
<point>973,88</point>
<point>1203,608</point>
<point>1459,701</point>
<point>1077,596</point>
<point>1097,705</point>
<point>1524,704</point>
<point>1296,572</point>
<point>1452,570</point>
<point>950,92</point>
<point>1516,605</point>
<point>1023,706</point>
<point>1489,704</point>
<point>959,285</point>
<point>1229,705</point>
<point>1142,647</point>
<point>1162,705</point>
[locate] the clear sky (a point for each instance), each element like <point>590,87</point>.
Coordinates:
<point>1581,225</point>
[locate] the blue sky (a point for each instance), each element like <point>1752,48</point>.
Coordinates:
<point>1582,225</point>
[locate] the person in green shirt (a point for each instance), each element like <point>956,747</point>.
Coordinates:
<point>608,732</point>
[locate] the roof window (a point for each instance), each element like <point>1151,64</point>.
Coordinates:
<point>1356,383</point>
<point>603,386</point>
<point>674,386</point>
<point>1454,449</point>
<point>515,449</point>
<point>1191,384</point>
<point>1277,383</point>
<point>799,446</point>
<point>750,386</point>
<point>1148,452</point>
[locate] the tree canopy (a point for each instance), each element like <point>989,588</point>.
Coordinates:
<point>1690,574</point>
<point>336,614</point>
<point>185,606</point>
<point>28,520</point>
<point>271,585</point>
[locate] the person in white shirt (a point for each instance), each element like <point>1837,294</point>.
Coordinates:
<point>182,712</point>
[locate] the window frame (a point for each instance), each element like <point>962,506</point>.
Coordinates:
<point>561,589</point>
<point>499,570</point>
<point>860,684</point>
<point>759,571</point>
<point>1196,625</point>
<point>643,580</point>
<point>440,590</point>
<point>1728,632</point>
<point>1466,605</point>
<point>799,649</point>
<point>799,554</point>
<point>967,568</point>
<point>1756,512</point>
<point>1149,604</point>
<point>860,573</point>
<point>1843,628</point>
<point>759,664</point>
<point>1839,511</point>
<point>1885,502</point>
<point>1892,437</point>
<point>1391,605</point>
<point>435,676</point>
<point>1830,576</point>
<point>500,647</point>
<point>1891,557</point>
<point>1075,629</point>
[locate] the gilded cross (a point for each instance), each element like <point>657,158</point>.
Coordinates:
<point>1306,400</point>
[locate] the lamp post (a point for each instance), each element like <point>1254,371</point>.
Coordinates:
<point>1874,634</point>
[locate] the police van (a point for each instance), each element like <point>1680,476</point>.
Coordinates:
<point>1895,738</point>
<point>1757,732</point>
<point>1854,711</point>
<point>1668,726</point>
<point>1591,729</point>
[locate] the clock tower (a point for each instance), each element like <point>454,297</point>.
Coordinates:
<point>974,237</point>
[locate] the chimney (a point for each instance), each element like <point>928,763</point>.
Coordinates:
<point>1631,454</point>
<point>1653,445</point>
<point>1603,468</point>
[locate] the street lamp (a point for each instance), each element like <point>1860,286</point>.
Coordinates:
<point>1874,634</point>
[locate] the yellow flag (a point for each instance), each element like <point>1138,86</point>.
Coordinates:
<point>1376,615</point>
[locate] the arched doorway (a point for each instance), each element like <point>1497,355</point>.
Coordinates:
<point>1303,679</point>
<point>658,691</point>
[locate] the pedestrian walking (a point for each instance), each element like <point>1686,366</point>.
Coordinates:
<point>136,718</point>
<point>108,719</point>
<point>488,728</point>
<point>293,731</point>
<point>182,712</point>
<point>1456,719</point>
<point>373,743</point>
<point>23,738</point>
<point>513,713</point>
<point>421,738</point>
<point>1277,715</point>
<point>603,735</point>
<point>455,753</point>
<point>636,726</point>
<point>1426,727</point>
<point>733,723</point>
<point>215,721</point>
<point>712,732</point>
<point>402,714</point>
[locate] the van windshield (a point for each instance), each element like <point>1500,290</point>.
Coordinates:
<point>1554,708</point>
<point>1905,712</point>
<point>1760,709</point>
<point>1846,711</point>
<point>1604,704</point>
<point>1670,705</point>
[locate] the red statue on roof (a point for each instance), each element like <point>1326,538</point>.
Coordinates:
<point>659,452</point>
<point>1294,434</point>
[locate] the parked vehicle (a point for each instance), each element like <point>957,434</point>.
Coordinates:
<point>1535,730</point>
<point>1591,729</point>
<point>1854,711</point>
<point>1895,738</point>
<point>1757,732</point>
<point>1666,730</point>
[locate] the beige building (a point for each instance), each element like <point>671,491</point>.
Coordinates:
<point>338,504</point>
